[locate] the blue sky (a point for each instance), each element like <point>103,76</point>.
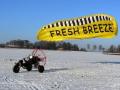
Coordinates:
<point>21,19</point>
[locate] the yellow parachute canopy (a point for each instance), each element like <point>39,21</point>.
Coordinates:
<point>93,26</point>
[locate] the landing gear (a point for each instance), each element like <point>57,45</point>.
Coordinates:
<point>16,68</point>
<point>40,68</point>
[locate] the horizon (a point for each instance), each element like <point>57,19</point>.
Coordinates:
<point>84,45</point>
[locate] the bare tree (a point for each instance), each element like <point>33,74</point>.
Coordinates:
<point>88,46</point>
<point>100,47</point>
<point>112,49</point>
<point>118,48</point>
<point>94,47</point>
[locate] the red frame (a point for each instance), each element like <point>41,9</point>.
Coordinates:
<point>43,59</point>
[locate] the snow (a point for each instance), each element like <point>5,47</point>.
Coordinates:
<point>65,70</point>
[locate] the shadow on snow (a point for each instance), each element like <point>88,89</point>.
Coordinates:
<point>47,70</point>
<point>108,62</point>
<point>55,70</point>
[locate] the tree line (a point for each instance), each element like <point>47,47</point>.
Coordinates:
<point>113,49</point>
<point>58,46</point>
<point>40,44</point>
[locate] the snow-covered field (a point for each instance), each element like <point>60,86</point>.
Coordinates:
<point>65,70</point>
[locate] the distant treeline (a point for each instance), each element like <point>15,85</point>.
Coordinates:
<point>41,44</point>
<point>58,46</point>
<point>113,49</point>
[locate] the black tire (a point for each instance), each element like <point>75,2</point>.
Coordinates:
<point>29,67</point>
<point>36,65</point>
<point>40,68</point>
<point>16,68</point>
